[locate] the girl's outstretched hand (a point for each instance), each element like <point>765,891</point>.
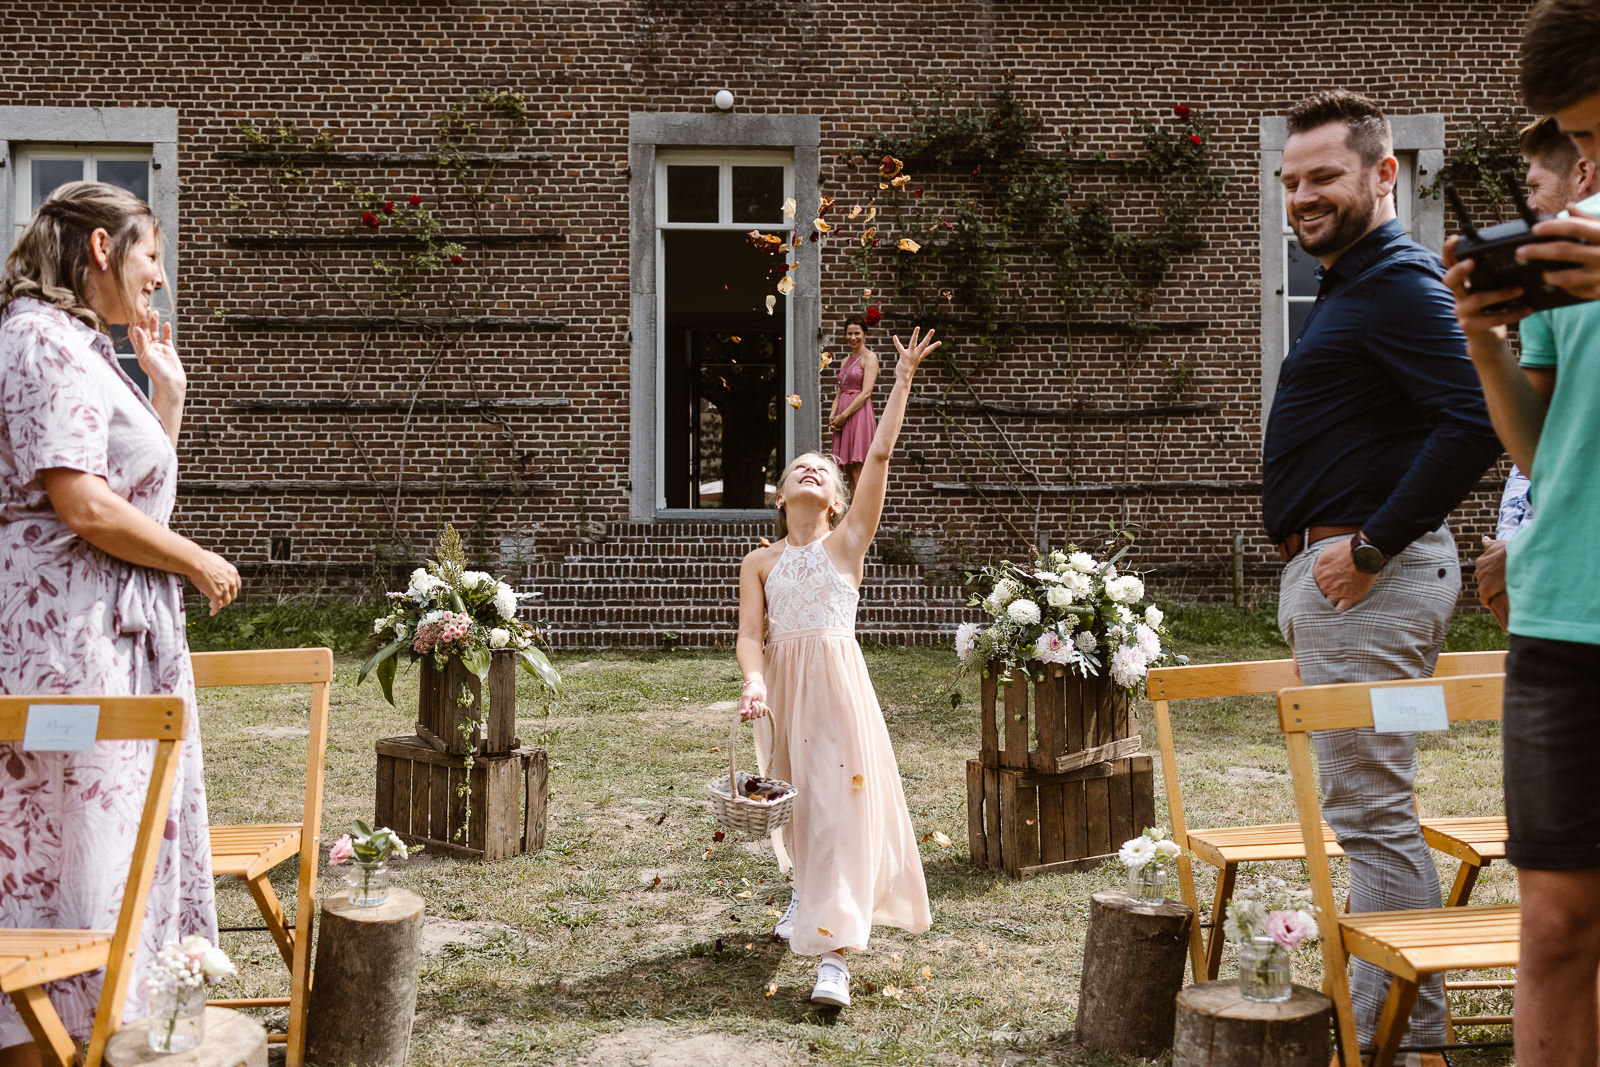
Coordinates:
<point>912,355</point>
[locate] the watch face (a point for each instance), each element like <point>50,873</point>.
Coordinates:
<point>1367,558</point>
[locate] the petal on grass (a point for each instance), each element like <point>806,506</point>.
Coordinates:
<point>941,839</point>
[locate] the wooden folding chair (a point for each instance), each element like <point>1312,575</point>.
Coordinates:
<point>1410,945</point>
<point>251,852</point>
<point>31,958</point>
<point>1475,842</point>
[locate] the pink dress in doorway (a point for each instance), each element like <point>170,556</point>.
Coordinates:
<point>75,620</point>
<point>851,441</point>
<point>850,840</point>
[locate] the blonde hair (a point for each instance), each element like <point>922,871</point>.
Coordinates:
<point>51,260</point>
<point>841,492</point>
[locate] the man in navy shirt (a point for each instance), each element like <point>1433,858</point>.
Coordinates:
<point>1377,431</point>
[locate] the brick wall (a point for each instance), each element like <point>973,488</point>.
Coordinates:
<point>306,430</point>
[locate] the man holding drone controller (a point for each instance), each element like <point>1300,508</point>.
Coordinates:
<point>1550,730</point>
<point>1558,175</point>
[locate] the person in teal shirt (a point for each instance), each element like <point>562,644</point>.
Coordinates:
<point>1550,728</point>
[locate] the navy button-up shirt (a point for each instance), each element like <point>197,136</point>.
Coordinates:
<point>1379,420</point>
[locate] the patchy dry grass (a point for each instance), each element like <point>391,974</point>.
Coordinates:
<point>623,942</point>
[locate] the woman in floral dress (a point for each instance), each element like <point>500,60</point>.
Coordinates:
<point>91,584</point>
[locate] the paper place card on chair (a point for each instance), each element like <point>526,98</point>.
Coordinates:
<point>1409,709</point>
<point>61,727</point>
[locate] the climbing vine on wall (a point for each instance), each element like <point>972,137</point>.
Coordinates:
<point>1005,203</point>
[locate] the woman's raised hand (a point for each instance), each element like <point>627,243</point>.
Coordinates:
<point>152,343</point>
<point>912,355</point>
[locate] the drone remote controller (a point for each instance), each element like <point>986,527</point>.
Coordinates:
<point>1493,251</point>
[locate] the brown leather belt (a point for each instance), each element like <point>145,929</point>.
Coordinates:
<point>1290,547</point>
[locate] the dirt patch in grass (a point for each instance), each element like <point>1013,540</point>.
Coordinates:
<point>652,1046</point>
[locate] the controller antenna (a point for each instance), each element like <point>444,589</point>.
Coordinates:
<point>1453,195</point>
<point>1528,214</point>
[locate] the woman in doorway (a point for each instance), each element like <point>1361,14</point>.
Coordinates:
<point>91,585</point>
<point>853,422</point>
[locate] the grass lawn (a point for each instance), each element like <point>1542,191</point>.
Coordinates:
<point>633,937</point>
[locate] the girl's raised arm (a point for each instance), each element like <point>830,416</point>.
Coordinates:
<point>860,523</point>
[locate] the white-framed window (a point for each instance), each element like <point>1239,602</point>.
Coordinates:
<point>41,169</point>
<point>723,358</point>
<point>134,148</point>
<point>1288,285</point>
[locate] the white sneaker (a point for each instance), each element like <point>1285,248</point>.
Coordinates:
<point>785,925</point>
<point>833,984</point>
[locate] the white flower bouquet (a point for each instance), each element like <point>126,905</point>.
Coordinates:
<point>447,610</point>
<point>1067,608</point>
<point>1152,846</point>
<point>175,984</point>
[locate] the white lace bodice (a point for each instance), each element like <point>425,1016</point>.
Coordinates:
<point>806,591</point>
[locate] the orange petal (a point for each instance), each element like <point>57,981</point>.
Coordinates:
<point>824,932</point>
<point>855,211</point>
<point>822,225</point>
<point>941,839</point>
<point>786,284</point>
<point>857,783</point>
<point>745,895</point>
<point>772,988</point>
<point>906,244</point>
<point>794,400</point>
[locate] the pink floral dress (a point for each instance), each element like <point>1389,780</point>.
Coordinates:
<point>76,620</point>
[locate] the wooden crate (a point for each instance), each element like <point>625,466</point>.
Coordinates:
<point>1027,823</point>
<point>1056,725</point>
<point>439,717</point>
<point>419,799</point>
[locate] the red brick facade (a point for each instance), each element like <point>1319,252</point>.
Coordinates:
<point>300,421</point>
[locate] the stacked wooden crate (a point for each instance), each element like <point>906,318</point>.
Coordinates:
<point>420,793</point>
<point>1060,782</point>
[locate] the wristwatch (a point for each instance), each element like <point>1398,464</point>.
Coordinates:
<point>1368,557</point>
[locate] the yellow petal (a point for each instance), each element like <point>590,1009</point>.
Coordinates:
<point>891,991</point>
<point>941,839</point>
<point>901,180</point>
<point>772,988</point>
<point>927,972</point>
<point>906,244</point>
<point>794,400</point>
<point>786,284</point>
<point>855,211</point>
<point>982,947</point>
<point>822,208</point>
<point>824,933</point>
<point>857,783</point>
<point>772,302</point>
<point>894,957</point>
<point>788,208</point>
<point>707,856</point>
<point>765,543</point>
<point>745,895</point>
<point>822,225</point>
<point>735,338</point>
<point>866,294</point>
<point>827,358</point>
<point>872,213</point>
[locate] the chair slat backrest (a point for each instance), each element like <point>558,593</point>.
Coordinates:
<point>1249,678</point>
<point>1329,707</point>
<point>289,666</point>
<point>157,718</point>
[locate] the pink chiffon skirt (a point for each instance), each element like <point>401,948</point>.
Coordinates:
<point>851,441</point>
<point>850,840</point>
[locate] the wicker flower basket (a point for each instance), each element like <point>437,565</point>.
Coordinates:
<point>745,814</point>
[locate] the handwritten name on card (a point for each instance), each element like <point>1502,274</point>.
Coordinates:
<point>1409,710</point>
<point>61,727</point>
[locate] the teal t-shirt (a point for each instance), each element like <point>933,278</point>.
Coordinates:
<point>1551,579</point>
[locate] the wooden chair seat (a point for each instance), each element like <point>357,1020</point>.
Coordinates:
<point>250,851</point>
<point>33,957</point>
<point>1227,845</point>
<point>1415,944</point>
<point>1409,945</point>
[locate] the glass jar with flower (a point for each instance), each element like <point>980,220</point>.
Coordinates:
<point>177,985</point>
<point>368,852</point>
<point>1146,857</point>
<point>1267,921</point>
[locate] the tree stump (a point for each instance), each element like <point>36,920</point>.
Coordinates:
<point>1219,1028</point>
<point>365,991</point>
<point>1133,959</point>
<point>232,1040</point>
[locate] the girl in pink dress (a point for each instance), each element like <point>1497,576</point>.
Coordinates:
<point>91,586</point>
<point>849,841</point>
<point>852,421</point>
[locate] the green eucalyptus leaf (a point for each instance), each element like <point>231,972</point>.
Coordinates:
<point>385,673</point>
<point>537,664</point>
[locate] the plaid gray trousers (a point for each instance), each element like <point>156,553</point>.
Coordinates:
<point>1395,631</point>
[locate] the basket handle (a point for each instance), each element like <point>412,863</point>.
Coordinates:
<point>733,738</point>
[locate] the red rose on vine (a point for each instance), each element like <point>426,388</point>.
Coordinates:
<point>455,260</point>
<point>872,316</point>
<point>415,200</point>
<point>1194,138</point>
<point>388,207</point>
<point>1181,110</point>
<point>369,219</point>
